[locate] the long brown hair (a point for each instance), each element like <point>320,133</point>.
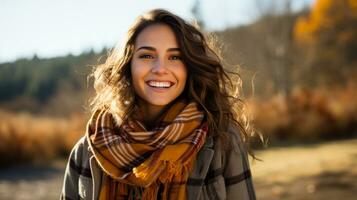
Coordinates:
<point>208,83</point>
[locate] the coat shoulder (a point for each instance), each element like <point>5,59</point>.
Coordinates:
<point>235,140</point>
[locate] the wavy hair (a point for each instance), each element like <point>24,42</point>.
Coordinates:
<point>208,83</point>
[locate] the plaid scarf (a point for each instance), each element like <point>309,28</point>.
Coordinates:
<point>142,164</point>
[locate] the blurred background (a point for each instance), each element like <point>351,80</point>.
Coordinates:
<point>297,59</point>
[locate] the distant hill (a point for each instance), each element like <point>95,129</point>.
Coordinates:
<point>55,85</point>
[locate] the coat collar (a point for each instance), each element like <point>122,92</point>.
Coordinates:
<point>200,170</point>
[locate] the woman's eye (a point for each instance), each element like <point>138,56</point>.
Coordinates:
<point>146,56</point>
<point>175,58</point>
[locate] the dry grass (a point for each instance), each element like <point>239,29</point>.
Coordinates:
<point>24,137</point>
<point>315,171</point>
<point>308,114</point>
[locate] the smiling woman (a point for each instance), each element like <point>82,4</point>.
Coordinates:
<point>167,122</point>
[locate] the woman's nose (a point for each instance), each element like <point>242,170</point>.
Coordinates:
<point>159,67</point>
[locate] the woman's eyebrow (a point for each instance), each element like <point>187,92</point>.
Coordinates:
<point>147,48</point>
<point>174,49</point>
<point>154,49</point>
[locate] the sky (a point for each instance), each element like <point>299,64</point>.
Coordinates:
<point>50,28</point>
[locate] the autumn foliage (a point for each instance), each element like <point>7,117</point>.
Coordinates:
<point>28,138</point>
<point>328,16</point>
<point>308,114</point>
<point>327,39</point>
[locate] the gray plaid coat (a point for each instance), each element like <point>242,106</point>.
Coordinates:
<point>217,174</point>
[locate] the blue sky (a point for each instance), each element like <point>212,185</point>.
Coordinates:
<point>58,27</point>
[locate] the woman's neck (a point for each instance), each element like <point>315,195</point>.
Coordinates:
<point>150,113</point>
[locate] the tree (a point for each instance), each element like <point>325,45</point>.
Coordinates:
<point>328,37</point>
<point>197,13</point>
<point>277,18</point>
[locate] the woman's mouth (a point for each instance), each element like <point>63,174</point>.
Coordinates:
<point>160,84</point>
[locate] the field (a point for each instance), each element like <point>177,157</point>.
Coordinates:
<point>315,171</point>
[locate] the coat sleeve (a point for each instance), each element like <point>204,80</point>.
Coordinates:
<point>71,176</point>
<point>237,174</point>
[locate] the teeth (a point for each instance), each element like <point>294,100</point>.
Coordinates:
<point>164,84</point>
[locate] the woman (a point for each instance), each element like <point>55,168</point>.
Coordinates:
<point>165,124</point>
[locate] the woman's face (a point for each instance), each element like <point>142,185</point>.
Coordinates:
<point>158,72</point>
